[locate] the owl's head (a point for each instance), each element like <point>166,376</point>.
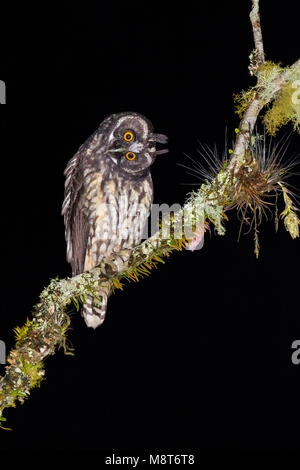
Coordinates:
<point>130,142</point>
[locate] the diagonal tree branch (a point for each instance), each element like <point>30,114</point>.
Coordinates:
<point>46,331</point>
<point>255,106</point>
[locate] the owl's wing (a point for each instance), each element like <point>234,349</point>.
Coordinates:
<point>76,222</point>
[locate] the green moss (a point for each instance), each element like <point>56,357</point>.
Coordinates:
<point>22,332</point>
<point>34,372</point>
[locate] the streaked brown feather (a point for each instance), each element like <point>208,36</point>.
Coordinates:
<point>76,222</point>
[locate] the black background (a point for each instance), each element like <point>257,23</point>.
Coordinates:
<point>199,355</point>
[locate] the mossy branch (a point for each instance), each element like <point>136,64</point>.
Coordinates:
<point>46,331</point>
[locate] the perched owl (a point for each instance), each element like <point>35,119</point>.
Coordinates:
<point>108,196</point>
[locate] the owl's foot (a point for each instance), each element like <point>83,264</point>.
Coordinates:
<point>111,266</point>
<point>108,268</point>
<point>121,258</point>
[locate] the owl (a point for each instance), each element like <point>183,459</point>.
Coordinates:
<point>108,197</point>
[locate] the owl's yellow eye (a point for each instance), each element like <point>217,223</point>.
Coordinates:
<point>128,136</point>
<point>130,155</point>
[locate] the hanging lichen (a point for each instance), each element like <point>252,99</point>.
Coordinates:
<point>242,100</point>
<point>285,107</point>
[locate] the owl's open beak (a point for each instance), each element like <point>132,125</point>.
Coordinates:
<point>160,139</point>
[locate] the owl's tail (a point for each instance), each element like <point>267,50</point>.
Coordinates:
<point>93,310</point>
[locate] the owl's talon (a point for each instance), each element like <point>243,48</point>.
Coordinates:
<point>126,254</point>
<point>108,268</point>
<point>111,266</point>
